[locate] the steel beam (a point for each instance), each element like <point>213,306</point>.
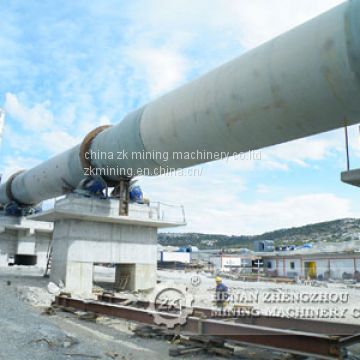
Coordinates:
<point>308,343</point>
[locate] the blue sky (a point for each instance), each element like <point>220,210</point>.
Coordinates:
<point>67,67</point>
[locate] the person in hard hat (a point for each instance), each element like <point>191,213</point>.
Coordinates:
<point>221,293</point>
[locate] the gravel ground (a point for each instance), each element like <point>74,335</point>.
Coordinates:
<point>242,292</point>
<point>28,334</point>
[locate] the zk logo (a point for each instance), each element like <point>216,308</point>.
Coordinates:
<point>171,307</point>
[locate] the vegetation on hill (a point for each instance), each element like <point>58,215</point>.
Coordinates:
<point>331,231</point>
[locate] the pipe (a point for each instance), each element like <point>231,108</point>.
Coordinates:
<point>304,82</point>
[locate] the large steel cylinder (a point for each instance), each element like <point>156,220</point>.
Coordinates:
<point>304,82</point>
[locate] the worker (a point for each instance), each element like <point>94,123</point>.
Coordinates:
<point>221,293</point>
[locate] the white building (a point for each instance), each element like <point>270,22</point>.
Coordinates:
<point>313,265</point>
<point>175,256</point>
<point>227,262</point>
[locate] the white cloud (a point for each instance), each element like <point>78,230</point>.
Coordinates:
<point>42,132</point>
<point>226,213</point>
<point>162,68</point>
<point>33,118</point>
<point>221,201</point>
<point>58,141</point>
<point>294,211</point>
<point>2,124</point>
<point>14,164</point>
<point>251,22</point>
<point>263,189</point>
<point>260,20</point>
<point>301,152</point>
<point>17,141</point>
<point>308,152</point>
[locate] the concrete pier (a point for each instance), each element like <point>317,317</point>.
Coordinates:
<point>23,241</point>
<point>89,231</point>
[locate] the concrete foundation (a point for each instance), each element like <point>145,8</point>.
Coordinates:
<point>26,238</point>
<point>88,231</point>
<point>8,240</point>
<point>78,244</point>
<point>25,242</point>
<point>133,276</point>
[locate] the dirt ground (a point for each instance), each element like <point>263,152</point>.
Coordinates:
<point>29,334</point>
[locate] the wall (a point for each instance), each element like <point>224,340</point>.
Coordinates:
<point>26,242</point>
<point>339,266</point>
<point>8,240</point>
<point>107,242</point>
<point>8,243</point>
<point>230,261</point>
<point>272,263</point>
<point>296,271</point>
<point>226,262</point>
<point>322,266</point>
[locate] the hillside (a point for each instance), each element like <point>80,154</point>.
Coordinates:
<point>332,231</point>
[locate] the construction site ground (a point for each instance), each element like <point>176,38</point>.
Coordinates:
<point>30,334</point>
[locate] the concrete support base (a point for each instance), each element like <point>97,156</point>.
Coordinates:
<point>8,239</point>
<point>78,277</point>
<point>78,244</point>
<point>134,276</point>
<point>88,231</point>
<point>24,241</point>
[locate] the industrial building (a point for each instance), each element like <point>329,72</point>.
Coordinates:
<point>314,265</point>
<point>264,245</point>
<point>175,256</point>
<point>243,263</point>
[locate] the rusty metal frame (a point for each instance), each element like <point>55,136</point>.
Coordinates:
<point>321,327</point>
<point>309,343</point>
<point>86,143</point>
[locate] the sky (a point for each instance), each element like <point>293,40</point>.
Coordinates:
<point>67,67</point>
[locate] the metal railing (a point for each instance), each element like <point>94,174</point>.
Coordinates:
<point>159,211</point>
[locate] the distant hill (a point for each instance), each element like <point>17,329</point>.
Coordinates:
<point>331,231</point>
